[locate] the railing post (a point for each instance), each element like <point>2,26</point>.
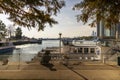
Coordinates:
<point>19,58</point>
<point>60,42</point>
<point>103,58</point>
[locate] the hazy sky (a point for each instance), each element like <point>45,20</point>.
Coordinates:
<point>68,25</point>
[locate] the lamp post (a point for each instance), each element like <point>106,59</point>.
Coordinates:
<point>60,41</point>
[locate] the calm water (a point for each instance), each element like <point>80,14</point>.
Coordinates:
<point>28,51</point>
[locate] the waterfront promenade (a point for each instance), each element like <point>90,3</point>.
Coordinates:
<point>80,71</point>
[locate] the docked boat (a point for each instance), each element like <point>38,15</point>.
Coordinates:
<point>87,50</point>
<point>6,47</point>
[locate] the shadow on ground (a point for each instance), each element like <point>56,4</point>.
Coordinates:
<point>50,66</point>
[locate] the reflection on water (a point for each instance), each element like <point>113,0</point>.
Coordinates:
<point>28,51</point>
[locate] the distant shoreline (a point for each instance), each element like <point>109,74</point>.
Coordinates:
<point>27,42</point>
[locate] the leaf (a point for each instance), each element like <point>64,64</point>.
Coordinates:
<point>31,13</point>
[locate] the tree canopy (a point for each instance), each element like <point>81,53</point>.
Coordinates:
<point>97,10</point>
<point>31,13</point>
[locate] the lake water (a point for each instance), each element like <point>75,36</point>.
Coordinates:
<point>27,51</point>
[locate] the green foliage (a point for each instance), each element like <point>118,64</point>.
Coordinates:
<point>3,29</point>
<point>18,34</point>
<point>31,13</point>
<point>97,10</point>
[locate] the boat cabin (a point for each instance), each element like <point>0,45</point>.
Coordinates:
<point>86,49</point>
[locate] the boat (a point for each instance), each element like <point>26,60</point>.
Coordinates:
<point>6,47</point>
<point>86,49</point>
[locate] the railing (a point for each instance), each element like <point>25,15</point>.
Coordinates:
<point>23,58</point>
<point>21,61</point>
<point>54,57</point>
<point>71,56</point>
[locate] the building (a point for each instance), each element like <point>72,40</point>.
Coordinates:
<point>103,32</point>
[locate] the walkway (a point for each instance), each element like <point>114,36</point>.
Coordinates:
<point>82,71</point>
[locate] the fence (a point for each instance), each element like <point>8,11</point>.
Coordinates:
<point>19,59</point>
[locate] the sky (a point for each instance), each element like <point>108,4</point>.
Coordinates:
<point>67,25</point>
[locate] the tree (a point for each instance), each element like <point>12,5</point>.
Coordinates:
<point>2,30</point>
<point>18,34</point>
<point>31,13</point>
<point>97,10</point>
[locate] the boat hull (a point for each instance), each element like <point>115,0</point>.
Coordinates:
<point>6,49</point>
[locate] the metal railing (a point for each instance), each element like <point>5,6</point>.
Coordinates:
<point>21,61</point>
<point>23,58</point>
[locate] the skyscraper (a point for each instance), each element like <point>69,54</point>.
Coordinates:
<point>104,32</point>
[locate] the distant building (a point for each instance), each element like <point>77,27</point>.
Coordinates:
<point>118,30</point>
<point>103,32</point>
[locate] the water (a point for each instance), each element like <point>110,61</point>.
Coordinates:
<point>27,51</point>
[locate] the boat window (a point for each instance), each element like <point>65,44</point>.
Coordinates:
<point>86,50</point>
<point>92,50</point>
<point>98,52</point>
<point>80,50</point>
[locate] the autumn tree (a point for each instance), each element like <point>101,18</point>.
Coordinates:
<point>97,10</point>
<point>31,13</point>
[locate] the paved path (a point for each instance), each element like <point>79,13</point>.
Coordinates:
<point>60,72</point>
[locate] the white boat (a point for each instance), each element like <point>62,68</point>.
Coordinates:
<point>86,49</point>
<point>6,47</point>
